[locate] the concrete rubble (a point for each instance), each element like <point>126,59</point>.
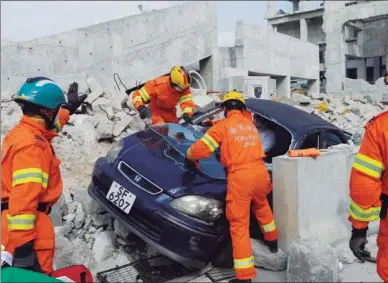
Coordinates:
<point>312,261</point>
<point>86,233</point>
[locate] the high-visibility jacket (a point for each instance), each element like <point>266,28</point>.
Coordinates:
<point>369,176</point>
<point>161,96</point>
<point>245,113</point>
<point>240,140</point>
<point>30,176</point>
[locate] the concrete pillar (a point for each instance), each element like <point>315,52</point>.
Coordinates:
<point>271,9</point>
<point>335,45</point>
<point>361,69</point>
<point>283,86</point>
<point>313,87</point>
<point>376,68</point>
<point>295,5</point>
<point>304,209</point>
<point>206,71</point>
<point>303,30</point>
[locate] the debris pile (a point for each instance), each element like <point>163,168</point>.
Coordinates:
<point>347,114</point>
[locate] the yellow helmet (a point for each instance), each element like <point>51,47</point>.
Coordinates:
<point>233,95</point>
<point>180,78</point>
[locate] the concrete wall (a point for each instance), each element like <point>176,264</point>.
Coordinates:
<point>311,197</point>
<point>376,38</point>
<point>315,31</point>
<point>136,47</point>
<point>291,29</point>
<point>269,52</point>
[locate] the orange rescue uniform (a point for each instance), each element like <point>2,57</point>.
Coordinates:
<point>369,183</point>
<point>31,184</point>
<point>245,113</point>
<point>162,100</point>
<point>248,180</point>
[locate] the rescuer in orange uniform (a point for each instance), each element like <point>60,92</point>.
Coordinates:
<point>162,94</point>
<point>30,178</point>
<point>369,192</point>
<point>248,180</point>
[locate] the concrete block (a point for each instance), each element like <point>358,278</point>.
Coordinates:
<point>204,102</point>
<point>311,197</point>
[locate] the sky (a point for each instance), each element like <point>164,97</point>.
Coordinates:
<point>26,20</point>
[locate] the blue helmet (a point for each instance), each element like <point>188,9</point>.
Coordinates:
<point>41,91</point>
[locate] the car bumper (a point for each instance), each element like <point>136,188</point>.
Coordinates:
<point>154,221</point>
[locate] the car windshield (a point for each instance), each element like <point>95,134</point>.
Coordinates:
<point>181,139</point>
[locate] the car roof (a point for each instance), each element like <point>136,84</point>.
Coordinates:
<point>287,115</point>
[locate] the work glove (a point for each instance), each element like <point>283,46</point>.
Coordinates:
<point>143,112</point>
<point>191,165</point>
<point>187,118</point>
<point>25,257</point>
<point>73,100</point>
<point>357,244</point>
<point>6,259</point>
<point>272,245</point>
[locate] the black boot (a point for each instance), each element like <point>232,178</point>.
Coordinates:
<point>240,281</point>
<point>272,245</point>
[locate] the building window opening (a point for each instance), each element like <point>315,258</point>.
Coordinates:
<point>351,73</point>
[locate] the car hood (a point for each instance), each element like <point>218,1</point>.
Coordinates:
<point>158,155</point>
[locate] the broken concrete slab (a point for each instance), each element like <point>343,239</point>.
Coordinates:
<point>103,246</point>
<point>306,210</point>
<point>204,103</point>
<point>311,261</point>
<point>122,122</point>
<point>264,258</point>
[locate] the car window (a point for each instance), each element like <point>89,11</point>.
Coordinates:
<point>312,139</point>
<point>216,113</point>
<point>181,138</point>
<point>332,138</point>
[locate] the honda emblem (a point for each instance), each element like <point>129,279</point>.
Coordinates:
<point>137,178</point>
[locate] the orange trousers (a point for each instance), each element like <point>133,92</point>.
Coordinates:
<point>44,243</point>
<point>382,254</point>
<point>160,116</point>
<point>245,186</point>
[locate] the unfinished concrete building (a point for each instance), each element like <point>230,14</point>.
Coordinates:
<point>352,37</point>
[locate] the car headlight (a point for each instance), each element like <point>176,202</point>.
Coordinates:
<point>198,206</point>
<point>114,151</point>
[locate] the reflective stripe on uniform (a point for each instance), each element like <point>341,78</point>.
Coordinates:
<point>244,263</point>
<point>58,126</point>
<point>189,154</point>
<point>144,95</point>
<point>185,98</point>
<point>368,166</point>
<point>21,221</point>
<point>136,99</point>
<point>210,142</point>
<point>269,227</point>
<point>366,215</point>
<point>30,175</point>
<point>187,110</point>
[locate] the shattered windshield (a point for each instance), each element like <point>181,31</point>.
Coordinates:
<point>181,138</point>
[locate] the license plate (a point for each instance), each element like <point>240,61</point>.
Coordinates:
<point>122,198</point>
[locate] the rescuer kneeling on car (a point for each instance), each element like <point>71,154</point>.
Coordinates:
<point>30,178</point>
<point>248,180</point>
<point>162,94</point>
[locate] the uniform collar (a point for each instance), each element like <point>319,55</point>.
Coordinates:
<point>233,113</point>
<point>49,135</point>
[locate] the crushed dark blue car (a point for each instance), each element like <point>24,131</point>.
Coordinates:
<point>144,183</point>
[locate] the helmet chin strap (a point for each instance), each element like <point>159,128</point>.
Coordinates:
<point>50,122</point>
